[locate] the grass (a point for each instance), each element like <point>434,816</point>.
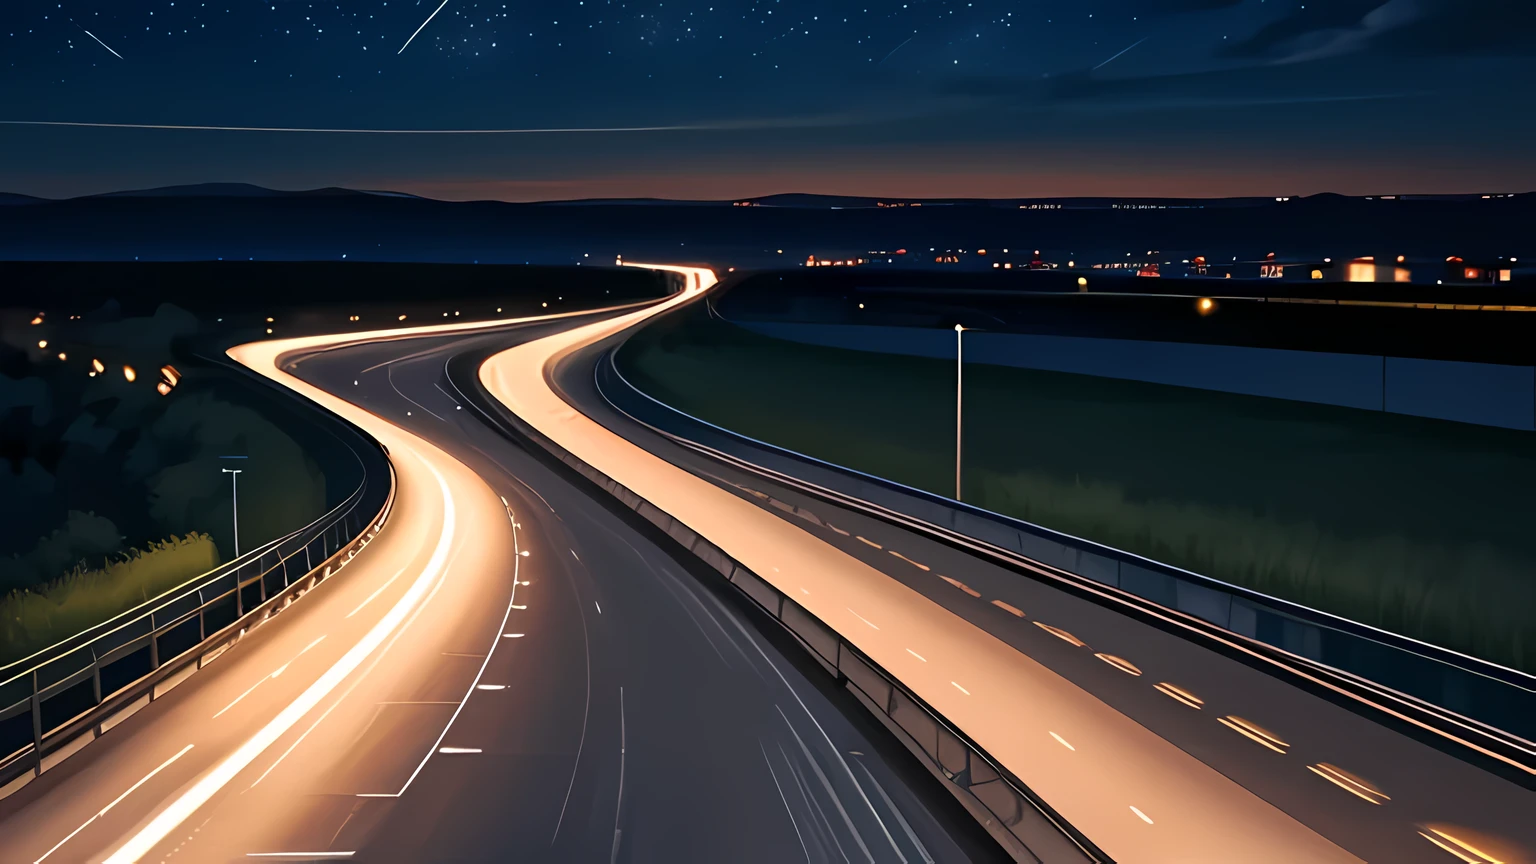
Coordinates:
<point>1416,526</point>
<point>31,620</point>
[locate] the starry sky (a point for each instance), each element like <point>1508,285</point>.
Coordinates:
<point>733,98</point>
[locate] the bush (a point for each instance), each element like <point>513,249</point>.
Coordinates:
<point>34,619</point>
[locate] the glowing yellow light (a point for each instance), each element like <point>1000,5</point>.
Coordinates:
<point>163,388</point>
<point>1082,281</point>
<point>98,366</point>
<point>1349,782</point>
<point>402,317</point>
<point>1254,732</point>
<point>1009,608</point>
<point>42,343</point>
<point>1205,305</point>
<point>37,320</point>
<point>1180,695</point>
<point>1120,663</point>
<point>129,374</point>
<point>63,356</point>
<point>1061,634</point>
<point>1458,847</point>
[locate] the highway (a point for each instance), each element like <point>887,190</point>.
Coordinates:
<point>1097,712</point>
<point>514,670</point>
<point>510,667</point>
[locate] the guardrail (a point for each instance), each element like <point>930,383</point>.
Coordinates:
<point>63,697</point>
<point>1023,824</point>
<point>1494,704</point>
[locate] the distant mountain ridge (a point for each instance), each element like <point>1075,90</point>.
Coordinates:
<point>790,200</point>
<point>241,222</point>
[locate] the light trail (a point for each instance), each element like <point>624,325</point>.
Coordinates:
<point>1122,51</point>
<point>316,130</point>
<point>421,28</point>
<point>182,808</point>
<point>118,800</point>
<point>99,42</point>
<point>1013,694</point>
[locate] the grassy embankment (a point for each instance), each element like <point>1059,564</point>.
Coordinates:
<point>1416,526</point>
<point>33,619</point>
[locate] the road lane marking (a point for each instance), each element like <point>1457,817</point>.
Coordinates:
<point>304,856</point>
<point>923,567</point>
<point>1144,817</point>
<point>917,655</point>
<point>961,689</point>
<point>1009,608</point>
<point>862,618</point>
<point>115,801</point>
<point>479,673</point>
<point>490,687</point>
<point>279,671</point>
<point>1063,742</point>
<point>452,750</point>
<point>869,541</point>
<point>376,592</point>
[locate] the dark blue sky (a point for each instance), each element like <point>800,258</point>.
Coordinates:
<point>892,97</point>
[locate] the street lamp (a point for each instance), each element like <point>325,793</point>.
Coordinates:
<point>959,404</point>
<point>234,494</point>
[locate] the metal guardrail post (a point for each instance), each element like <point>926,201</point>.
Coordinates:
<point>37,729</point>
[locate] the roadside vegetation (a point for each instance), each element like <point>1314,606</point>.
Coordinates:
<point>108,446</point>
<point>1413,525</point>
<point>35,618</point>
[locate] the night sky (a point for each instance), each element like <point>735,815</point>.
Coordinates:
<point>874,97</point>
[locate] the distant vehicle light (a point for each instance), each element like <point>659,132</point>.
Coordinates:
<point>98,366</point>
<point>1205,306</point>
<point>1082,281</point>
<point>129,374</point>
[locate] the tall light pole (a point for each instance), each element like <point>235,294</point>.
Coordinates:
<point>959,404</point>
<point>234,494</point>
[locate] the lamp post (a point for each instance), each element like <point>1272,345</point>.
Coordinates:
<point>234,494</point>
<point>959,405</point>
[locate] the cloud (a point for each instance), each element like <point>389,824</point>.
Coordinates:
<point>1398,28</point>
<point>1337,79</point>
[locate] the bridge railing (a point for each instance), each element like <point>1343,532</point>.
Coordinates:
<point>1500,701</point>
<point>64,696</point>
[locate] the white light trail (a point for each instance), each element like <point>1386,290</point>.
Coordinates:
<point>421,28</point>
<point>549,130</point>
<point>1132,45</point>
<point>101,43</point>
<point>199,793</point>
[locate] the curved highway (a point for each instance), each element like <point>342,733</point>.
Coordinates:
<point>509,670</point>
<point>513,670</point>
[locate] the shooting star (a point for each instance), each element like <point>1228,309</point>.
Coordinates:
<point>1132,45</point>
<point>421,28</point>
<point>99,42</point>
<point>894,50</point>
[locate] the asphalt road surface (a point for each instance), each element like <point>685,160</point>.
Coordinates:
<point>509,671</point>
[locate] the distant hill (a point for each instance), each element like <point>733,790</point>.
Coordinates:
<point>239,222</point>
<point>231,190</point>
